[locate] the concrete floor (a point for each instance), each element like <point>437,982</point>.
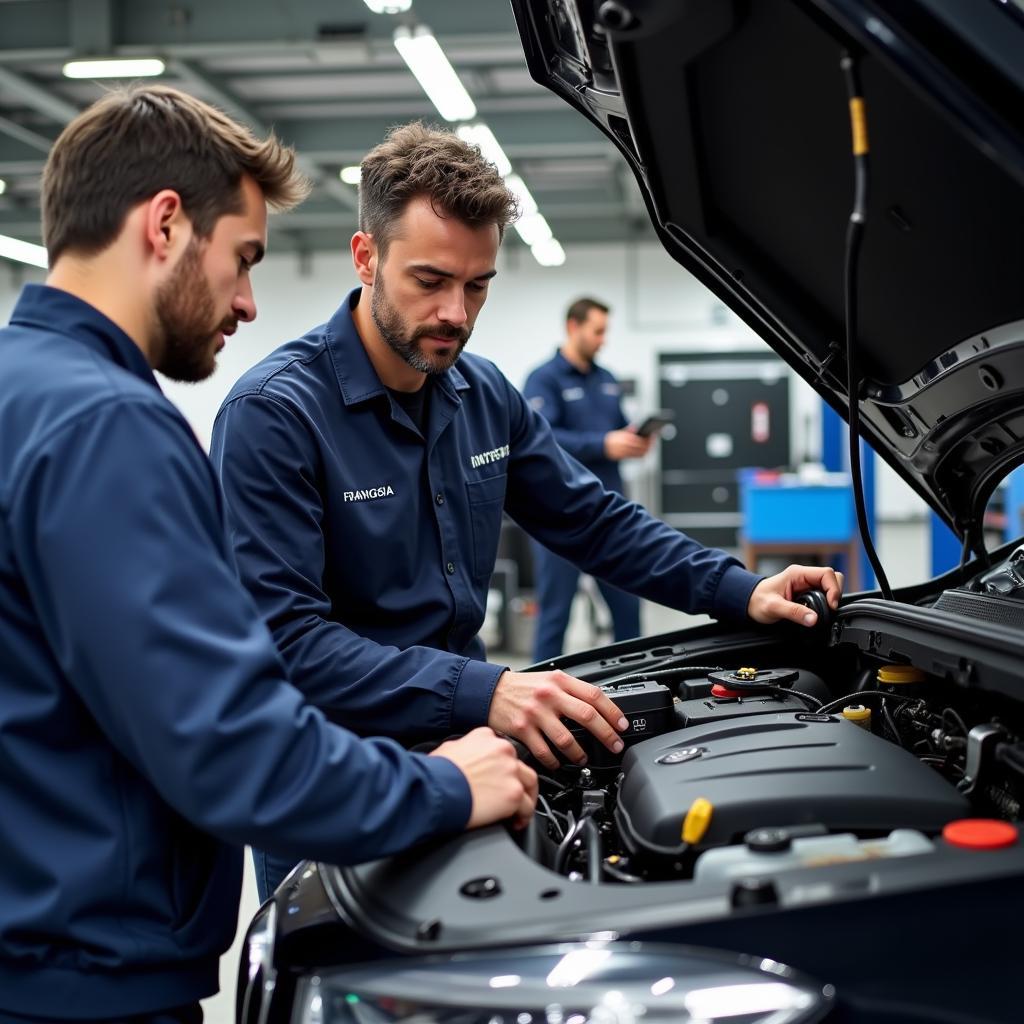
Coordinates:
<point>904,550</point>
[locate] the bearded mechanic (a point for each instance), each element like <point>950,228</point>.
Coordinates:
<point>366,467</point>
<point>147,729</point>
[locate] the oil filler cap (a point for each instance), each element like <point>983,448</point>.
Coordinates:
<point>980,833</point>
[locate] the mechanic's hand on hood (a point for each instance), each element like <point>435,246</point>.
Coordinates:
<point>531,705</point>
<point>501,785</point>
<point>772,599</point>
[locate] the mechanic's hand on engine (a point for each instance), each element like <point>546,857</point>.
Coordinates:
<point>626,444</point>
<point>501,785</point>
<point>772,599</point>
<point>531,705</point>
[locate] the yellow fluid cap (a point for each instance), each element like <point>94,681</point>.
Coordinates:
<point>857,713</point>
<point>900,675</point>
<point>697,821</point>
<point>745,673</point>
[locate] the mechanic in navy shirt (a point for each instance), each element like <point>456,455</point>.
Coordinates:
<point>147,730</point>
<point>583,403</point>
<point>366,467</point>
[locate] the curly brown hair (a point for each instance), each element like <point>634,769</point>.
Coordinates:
<point>136,141</point>
<point>424,160</point>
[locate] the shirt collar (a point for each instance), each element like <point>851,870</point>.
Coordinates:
<point>55,310</point>
<point>357,379</point>
<point>566,367</point>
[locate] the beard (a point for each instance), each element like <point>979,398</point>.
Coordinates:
<point>187,321</point>
<point>405,342</point>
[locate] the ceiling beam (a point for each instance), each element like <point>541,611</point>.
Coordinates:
<point>37,97</point>
<point>92,27</point>
<point>26,136</point>
<point>224,98</point>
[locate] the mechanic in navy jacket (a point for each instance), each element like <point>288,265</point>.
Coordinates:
<point>146,727</point>
<point>366,467</point>
<point>583,403</point>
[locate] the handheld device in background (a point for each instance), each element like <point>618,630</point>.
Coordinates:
<point>653,423</point>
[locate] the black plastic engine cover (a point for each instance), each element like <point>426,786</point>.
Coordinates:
<point>782,769</point>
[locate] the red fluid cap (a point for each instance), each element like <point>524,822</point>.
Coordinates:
<point>980,833</point>
<point>718,690</point>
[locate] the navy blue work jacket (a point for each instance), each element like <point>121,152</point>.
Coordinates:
<point>369,547</point>
<point>581,408</point>
<point>146,732</point>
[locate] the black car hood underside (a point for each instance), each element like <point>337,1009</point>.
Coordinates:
<point>734,118</point>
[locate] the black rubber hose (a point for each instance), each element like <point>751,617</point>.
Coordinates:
<point>592,839</point>
<point>854,237</point>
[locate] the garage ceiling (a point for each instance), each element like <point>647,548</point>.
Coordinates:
<point>326,76</point>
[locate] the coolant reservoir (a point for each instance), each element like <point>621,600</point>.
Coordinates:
<point>726,863</point>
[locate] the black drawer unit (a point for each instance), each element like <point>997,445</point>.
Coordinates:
<point>731,412</point>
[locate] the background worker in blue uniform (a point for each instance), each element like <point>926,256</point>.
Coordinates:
<point>366,467</point>
<point>583,403</point>
<point>147,729</point>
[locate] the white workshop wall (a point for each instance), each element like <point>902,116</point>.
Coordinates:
<point>656,307</point>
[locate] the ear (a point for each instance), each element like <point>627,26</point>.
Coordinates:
<point>167,229</point>
<point>364,256</point>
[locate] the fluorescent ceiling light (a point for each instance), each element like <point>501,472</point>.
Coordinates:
<point>527,204</point>
<point>23,252</point>
<point>147,67</point>
<point>426,60</point>
<point>480,135</point>
<point>350,175</point>
<point>548,253</point>
<point>3,186</point>
<point>388,6</point>
<point>533,228</point>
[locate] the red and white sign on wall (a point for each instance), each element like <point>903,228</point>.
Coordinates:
<point>760,422</point>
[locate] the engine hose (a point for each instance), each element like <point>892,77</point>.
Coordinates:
<point>592,837</point>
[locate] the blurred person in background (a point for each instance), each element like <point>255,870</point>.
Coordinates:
<point>583,403</point>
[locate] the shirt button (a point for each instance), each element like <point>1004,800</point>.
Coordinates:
<point>439,498</point>
<point>450,567</point>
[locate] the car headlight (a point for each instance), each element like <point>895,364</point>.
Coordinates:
<point>581,983</point>
<point>256,984</point>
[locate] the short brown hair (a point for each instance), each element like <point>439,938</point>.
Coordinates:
<point>136,141</point>
<point>424,160</point>
<point>580,309</point>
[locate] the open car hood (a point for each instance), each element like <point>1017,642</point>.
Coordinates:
<point>734,117</point>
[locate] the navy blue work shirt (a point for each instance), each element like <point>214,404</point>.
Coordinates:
<point>369,546</point>
<point>146,731</point>
<point>581,408</point>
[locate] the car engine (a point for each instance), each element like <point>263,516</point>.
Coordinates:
<point>741,772</point>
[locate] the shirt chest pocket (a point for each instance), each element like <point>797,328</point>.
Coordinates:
<point>486,500</point>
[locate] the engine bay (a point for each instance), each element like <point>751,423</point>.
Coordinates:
<point>895,730</point>
<point>871,766</point>
<point>752,770</point>
<point>750,767</point>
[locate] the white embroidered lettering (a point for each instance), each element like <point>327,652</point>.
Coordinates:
<point>369,493</point>
<point>485,458</point>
